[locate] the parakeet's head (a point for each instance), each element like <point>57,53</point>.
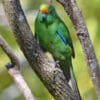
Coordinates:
<point>47,13</point>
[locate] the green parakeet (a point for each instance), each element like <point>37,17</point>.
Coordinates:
<point>54,37</point>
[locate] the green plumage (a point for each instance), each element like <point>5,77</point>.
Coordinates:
<point>53,36</point>
<point>46,32</point>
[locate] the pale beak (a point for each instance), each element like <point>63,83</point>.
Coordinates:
<point>44,16</point>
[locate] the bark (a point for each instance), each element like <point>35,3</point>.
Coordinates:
<point>49,72</point>
<point>13,70</point>
<point>77,19</point>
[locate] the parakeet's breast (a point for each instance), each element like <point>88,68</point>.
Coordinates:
<point>50,41</point>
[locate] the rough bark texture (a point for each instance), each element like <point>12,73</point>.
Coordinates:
<point>46,69</point>
<point>77,19</point>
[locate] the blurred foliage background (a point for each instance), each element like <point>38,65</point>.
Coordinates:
<point>91,12</point>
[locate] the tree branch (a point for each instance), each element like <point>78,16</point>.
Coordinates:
<point>4,45</point>
<point>49,73</point>
<point>13,70</point>
<point>77,19</point>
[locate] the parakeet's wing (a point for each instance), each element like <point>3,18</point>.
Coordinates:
<point>37,31</point>
<point>64,34</point>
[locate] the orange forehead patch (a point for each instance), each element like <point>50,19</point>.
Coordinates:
<point>45,11</point>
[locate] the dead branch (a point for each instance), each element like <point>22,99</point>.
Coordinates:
<point>13,70</point>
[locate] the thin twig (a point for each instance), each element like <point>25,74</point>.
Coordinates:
<point>18,78</point>
<point>13,70</point>
<point>4,45</point>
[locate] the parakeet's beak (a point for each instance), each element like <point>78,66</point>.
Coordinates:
<point>44,16</point>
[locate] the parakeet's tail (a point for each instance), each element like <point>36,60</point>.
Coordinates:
<point>67,68</point>
<point>74,83</point>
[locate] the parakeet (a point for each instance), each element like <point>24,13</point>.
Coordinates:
<point>53,36</point>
